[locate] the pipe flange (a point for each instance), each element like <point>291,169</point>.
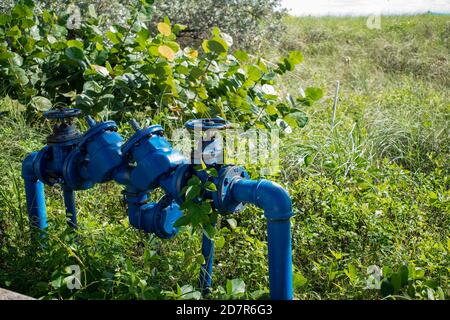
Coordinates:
<point>207,124</point>
<point>62,113</point>
<point>72,178</point>
<point>223,202</point>
<point>182,175</point>
<point>40,161</point>
<point>139,135</point>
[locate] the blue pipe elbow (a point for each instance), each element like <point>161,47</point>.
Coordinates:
<point>277,206</point>
<point>158,218</point>
<point>265,194</point>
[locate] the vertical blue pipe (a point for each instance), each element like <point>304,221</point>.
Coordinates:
<point>34,190</point>
<point>206,268</point>
<point>71,210</point>
<point>280,259</point>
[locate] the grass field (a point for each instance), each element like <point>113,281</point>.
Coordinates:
<point>370,190</point>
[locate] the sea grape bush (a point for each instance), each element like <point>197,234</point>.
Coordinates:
<point>247,21</point>
<point>45,61</point>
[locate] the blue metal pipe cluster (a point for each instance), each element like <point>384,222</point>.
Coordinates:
<point>144,162</point>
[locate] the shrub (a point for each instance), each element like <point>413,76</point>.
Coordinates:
<point>45,61</point>
<point>249,22</point>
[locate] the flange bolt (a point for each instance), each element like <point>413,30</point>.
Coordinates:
<point>91,122</point>
<point>135,125</point>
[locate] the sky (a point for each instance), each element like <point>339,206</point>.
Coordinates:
<point>365,7</point>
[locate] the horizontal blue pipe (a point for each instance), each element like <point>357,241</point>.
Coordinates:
<point>277,206</point>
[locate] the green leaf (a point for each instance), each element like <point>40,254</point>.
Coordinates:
<point>4,19</point>
<point>404,275</point>
<point>219,242</point>
<point>75,43</point>
<point>386,288</point>
<point>192,192</point>
<point>177,28</point>
<point>189,293</point>
<point>113,37</point>
<point>41,103</point>
<point>297,119</point>
<point>20,76</point>
<point>182,221</point>
<point>14,32</point>
<point>235,287</point>
<point>241,55</point>
<point>194,180</point>
<point>314,94</point>
<point>296,57</point>
<point>210,186</point>
<point>21,11</point>
<point>254,73</point>
<point>173,45</point>
<point>351,272</point>
<point>90,87</point>
<point>74,53</point>
<point>6,55</point>
<point>200,107</point>
<point>232,222</point>
<point>307,160</point>
<point>271,109</point>
<point>57,282</point>
<point>299,280</point>
<point>216,45</point>
<point>210,230</point>
<point>396,281</point>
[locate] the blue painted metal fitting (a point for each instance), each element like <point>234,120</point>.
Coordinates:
<point>153,157</point>
<point>277,206</point>
<point>208,124</point>
<point>267,195</point>
<point>174,182</point>
<point>223,200</point>
<point>158,218</point>
<point>209,146</point>
<point>102,145</point>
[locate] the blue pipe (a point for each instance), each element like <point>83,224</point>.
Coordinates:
<point>71,210</point>
<point>135,203</point>
<point>277,206</point>
<point>206,268</point>
<point>34,190</point>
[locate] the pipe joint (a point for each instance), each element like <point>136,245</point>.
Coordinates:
<point>265,194</point>
<point>28,167</point>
